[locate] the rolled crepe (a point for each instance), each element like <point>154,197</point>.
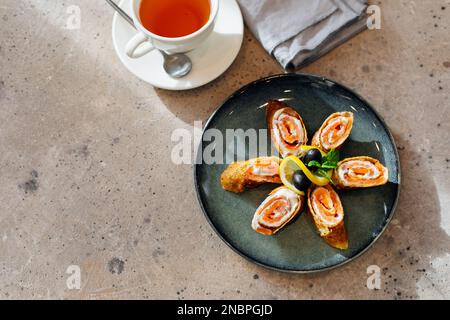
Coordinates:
<point>247,174</point>
<point>287,129</point>
<point>327,214</point>
<point>277,211</point>
<point>334,131</point>
<point>360,172</point>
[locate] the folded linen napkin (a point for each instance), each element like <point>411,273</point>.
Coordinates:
<point>296,32</point>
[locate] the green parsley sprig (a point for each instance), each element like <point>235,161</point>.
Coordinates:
<point>328,163</point>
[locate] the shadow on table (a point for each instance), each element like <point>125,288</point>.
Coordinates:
<point>251,63</point>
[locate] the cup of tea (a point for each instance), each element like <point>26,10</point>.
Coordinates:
<point>174,26</point>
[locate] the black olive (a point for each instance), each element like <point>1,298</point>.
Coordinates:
<point>300,180</point>
<point>312,155</point>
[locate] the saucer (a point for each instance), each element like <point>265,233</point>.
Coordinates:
<point>209,60</point>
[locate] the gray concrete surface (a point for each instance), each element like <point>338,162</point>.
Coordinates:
<point>85,176</point>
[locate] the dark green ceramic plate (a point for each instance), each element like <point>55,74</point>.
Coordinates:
<point>298,248</point>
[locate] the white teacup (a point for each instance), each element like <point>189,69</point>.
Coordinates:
<point>146,41</point>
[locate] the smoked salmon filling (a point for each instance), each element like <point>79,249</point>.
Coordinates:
<point>360,172</point>
<point>327,213</point>
<point>276,211</point>
<point>334,131</point>
<point>287,129</point>
<point>247,174</point>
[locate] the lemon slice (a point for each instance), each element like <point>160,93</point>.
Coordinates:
<point>287,169</point>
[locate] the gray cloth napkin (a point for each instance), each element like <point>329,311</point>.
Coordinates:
<point>296,32</point>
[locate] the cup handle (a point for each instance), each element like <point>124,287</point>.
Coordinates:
<point>139,46</point>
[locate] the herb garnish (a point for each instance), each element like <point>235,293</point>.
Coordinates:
<point>329,162</point>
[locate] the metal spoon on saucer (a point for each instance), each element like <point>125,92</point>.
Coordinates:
<point>176,65</point>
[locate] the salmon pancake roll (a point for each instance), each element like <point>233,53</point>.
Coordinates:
<point>360,172</point>
<point>334,131</point>
<point>281,206</point>
<point>327,214</point>
<point>247,174</point>
<point>287,129</point>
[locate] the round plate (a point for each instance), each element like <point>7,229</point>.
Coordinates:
<point>298,247</point>
<point>210,60</point>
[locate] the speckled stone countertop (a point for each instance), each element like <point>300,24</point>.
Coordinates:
<point>85,178</point>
